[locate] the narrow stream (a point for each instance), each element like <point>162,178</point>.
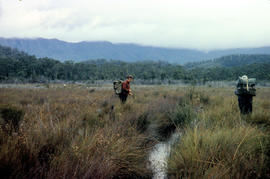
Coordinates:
<point>159,155</point>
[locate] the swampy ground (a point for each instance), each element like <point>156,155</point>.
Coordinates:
<point>80,131</point>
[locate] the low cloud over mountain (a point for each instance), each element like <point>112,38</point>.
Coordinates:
<point>81,51</point>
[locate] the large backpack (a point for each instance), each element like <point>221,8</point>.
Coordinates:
<point>246,85</point>
<point>117,86</point>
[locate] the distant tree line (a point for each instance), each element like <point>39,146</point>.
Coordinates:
<point>15,65</point>
<point>230,61</point>
<point>261,71</point>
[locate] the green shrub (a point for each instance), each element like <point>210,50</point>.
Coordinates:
<point>143,122</point>
<point>182,115</point>
<point>12,116</point>
<point>204,99</point>
<point>178,117</point>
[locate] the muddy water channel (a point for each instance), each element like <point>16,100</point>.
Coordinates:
<point>159,156</point>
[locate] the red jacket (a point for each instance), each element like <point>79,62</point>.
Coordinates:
<point>125,86</point>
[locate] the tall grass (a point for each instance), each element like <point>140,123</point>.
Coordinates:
<point>71,133</point>
<point>74,132</point>
<point>220,153</point>
<point>223,144</point>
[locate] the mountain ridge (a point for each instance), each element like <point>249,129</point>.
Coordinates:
<point>129,52</point>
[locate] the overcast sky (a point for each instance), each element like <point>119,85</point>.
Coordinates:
<point>200,24</point>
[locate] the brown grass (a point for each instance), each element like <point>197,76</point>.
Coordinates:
<point>224,144</point>
<point>81,131</point>
<point>77,132</point>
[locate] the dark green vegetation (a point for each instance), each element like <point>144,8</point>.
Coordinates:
<point>17,66</point>
<point>230,61</point>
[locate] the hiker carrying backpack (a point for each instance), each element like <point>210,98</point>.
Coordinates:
<point>245,92</point>
<point>122,88</point>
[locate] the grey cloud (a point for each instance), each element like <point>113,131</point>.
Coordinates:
<point>69,23</point>
<point>173,23</point>
<point>1,10</point>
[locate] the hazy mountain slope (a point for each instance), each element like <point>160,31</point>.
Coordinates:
<point>61,50</point>
<point>81,51</point>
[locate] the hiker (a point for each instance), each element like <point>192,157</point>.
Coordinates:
<point>245,103</point>
<point>125,90</point>
<point>245,92</point>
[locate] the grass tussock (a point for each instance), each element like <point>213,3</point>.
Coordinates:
<point>10,118</point>
<point>220,153</point>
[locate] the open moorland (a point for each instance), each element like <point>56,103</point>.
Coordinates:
<point>80,131</point>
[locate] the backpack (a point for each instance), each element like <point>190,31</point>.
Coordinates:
<point>246,85</point>
<point>117,86</point>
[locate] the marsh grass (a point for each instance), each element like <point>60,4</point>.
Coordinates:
<point>71,132</point>
<point>220,153</point>
<point>223,143</point>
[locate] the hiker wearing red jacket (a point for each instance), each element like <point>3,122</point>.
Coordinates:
<point>126,89</point>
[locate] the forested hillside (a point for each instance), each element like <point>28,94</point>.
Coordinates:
<point>127,52</point>
<point>18,66</point>
<point>230,61</point>
<point>7,52</point>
